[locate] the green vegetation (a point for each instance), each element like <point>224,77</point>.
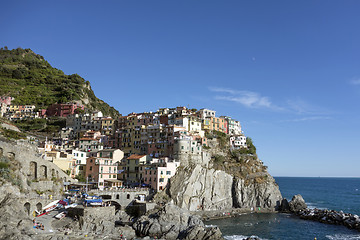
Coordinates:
<point>4,165</point>
<point>80,178</point>
<point>51,125</point>
<point>32,80</point>
<point>11,134</point>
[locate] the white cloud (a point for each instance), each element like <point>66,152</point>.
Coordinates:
<point>355,81</point>
<point>247,98</point>
<point>304,119</point>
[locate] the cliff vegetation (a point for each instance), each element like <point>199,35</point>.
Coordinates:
<point>29,78</point>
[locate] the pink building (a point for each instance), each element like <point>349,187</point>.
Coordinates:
<point>102,172</point>
<point>157,175</point>
<point>6,100</point>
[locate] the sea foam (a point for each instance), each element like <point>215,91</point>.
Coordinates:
<point>343,236</point>
<point>241,237</point>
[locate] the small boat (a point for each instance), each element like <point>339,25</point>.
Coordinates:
<point>96,203</point>
<point>71,206</point>
<point>60,215</point>
<point>51,206</point>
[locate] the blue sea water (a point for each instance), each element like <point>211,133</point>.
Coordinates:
<point>331,193</point>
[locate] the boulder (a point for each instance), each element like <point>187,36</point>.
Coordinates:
<point>297,203</point>
<point>172,222</point>
<point>284,206</point>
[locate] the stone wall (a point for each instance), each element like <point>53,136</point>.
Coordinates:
<point>33,172</point>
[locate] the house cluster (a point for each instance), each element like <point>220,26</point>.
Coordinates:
<point>140,149</point>
<point>19,112</point>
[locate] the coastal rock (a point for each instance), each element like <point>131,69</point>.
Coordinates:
<point>284,206</point>
<point>172,222</point>
<point>297,203</point>
<point>256,191</point>
<point>200,188</point>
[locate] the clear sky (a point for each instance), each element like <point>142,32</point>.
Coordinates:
<point>289,71</point>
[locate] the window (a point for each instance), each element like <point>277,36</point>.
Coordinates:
<point>168,172</point>
<point>90,168</point>
<point>82,155</point>
<point>114,176</point>
<point>161,180</point>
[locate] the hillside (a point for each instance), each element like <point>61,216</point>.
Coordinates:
<point>29,78</point>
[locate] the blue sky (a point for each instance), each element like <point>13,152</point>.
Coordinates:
<point>289,71</point>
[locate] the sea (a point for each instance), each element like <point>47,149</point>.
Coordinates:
<point>320,192</point>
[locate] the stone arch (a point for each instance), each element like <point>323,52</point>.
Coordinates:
<point>11,156</point>
<point>27,208</point>
<point>33,170</point>
<point>114,203</point>
<point>128,196</point>
<point>1,152</point>
<point>117,196</point>
<point>39,206</point>
<point>43,172</point>
<point>106,196</point>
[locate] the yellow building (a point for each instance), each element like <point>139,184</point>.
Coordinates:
<point>107,126</point>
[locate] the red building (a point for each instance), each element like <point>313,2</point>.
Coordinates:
<point>63,109</point>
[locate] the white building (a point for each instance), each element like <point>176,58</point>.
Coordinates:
<point>204,113</point>
<point>238,141</point>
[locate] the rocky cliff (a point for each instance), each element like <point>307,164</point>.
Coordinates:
<point>224,179</point>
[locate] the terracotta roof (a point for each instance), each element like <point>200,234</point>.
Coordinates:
<point>136,156</point>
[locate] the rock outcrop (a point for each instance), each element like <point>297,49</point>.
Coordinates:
<point>257,190</point>
<point>220,179</point>
<point>171,222</point>
<point>201,188</point>
<point>297,203</point>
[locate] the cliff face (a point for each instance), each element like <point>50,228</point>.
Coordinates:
<point>232,182</point>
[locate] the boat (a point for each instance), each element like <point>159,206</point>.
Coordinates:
<point>60,215</point>
<point>96,203</point>
<point>71,206</point>
<point>51,206</point>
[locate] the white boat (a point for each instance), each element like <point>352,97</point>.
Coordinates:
<point>60,215</point>
<point>71,206</point>
<point>96,203</point>
<point>51,206</point>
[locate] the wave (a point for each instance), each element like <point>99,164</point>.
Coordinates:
<point>241,237</point>
<point>313,205</point>
<point>210,225</point>
<point>343,236</point>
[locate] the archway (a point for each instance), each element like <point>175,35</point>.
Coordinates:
<point>27,208</point>
<point>43,172</point>
<point>114,203</point>
<point>33,170</point>
<point>11,156</point>
<point>106,197</point>
<point>39,207</point>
